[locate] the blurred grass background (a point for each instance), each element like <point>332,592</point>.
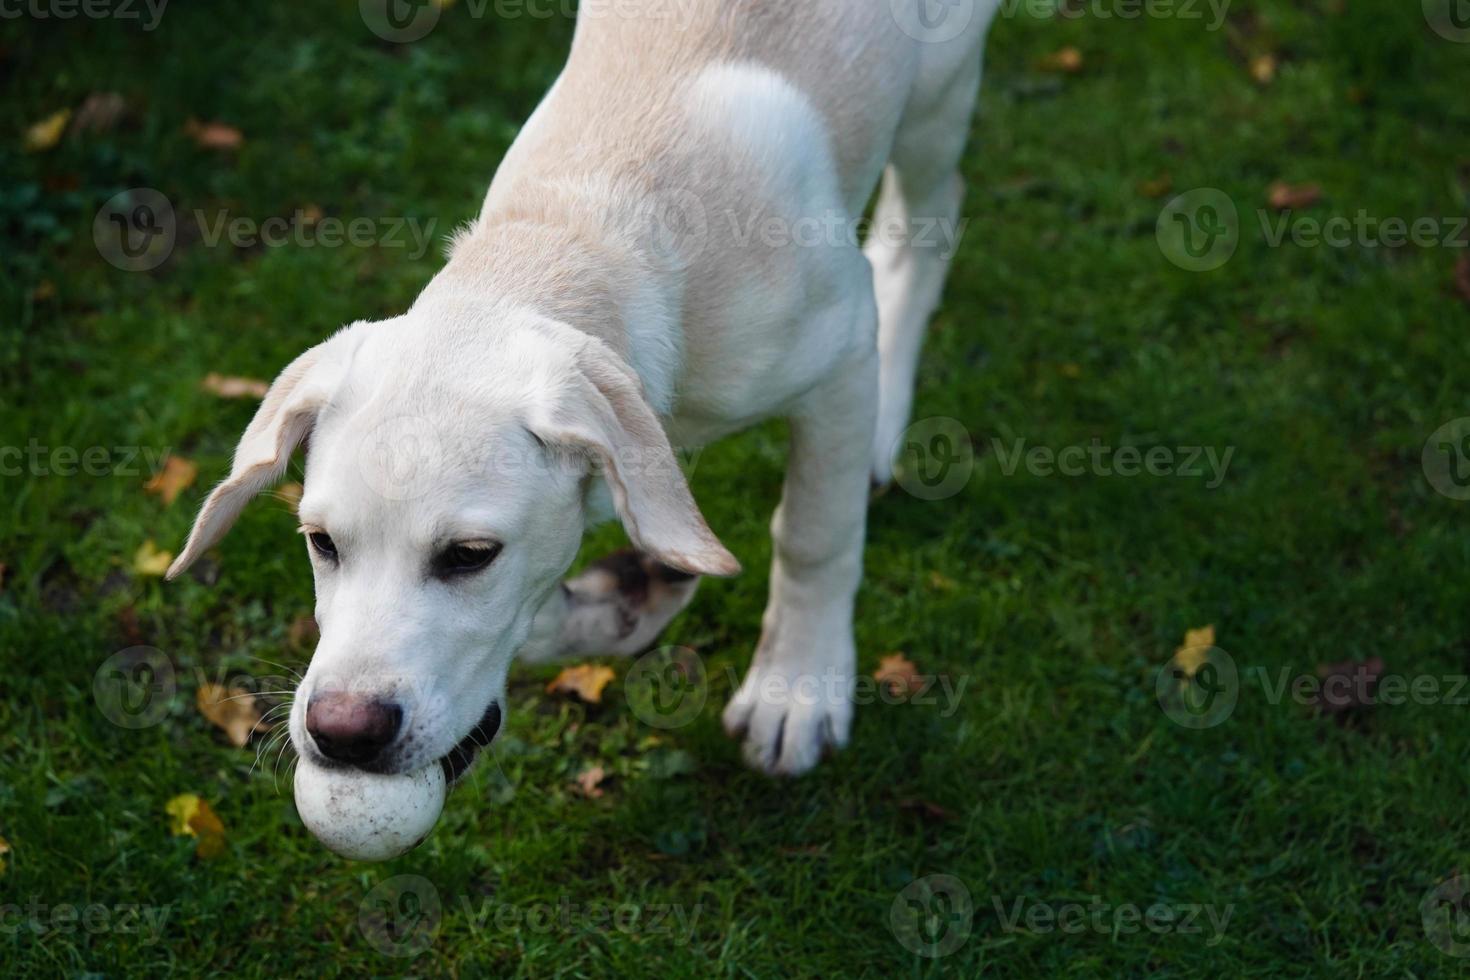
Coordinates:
<point>1056,779</point>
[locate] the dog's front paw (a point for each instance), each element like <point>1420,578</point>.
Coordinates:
<point>789,718</point>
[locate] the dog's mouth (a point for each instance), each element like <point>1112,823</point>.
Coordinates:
<point>462,756</point>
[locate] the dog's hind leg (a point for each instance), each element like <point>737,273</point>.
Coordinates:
<point>916,229</point>
<point>618,606</point>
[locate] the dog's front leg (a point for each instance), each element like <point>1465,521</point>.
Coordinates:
<point>796,700</point>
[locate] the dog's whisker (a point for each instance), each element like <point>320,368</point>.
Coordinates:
<point>291,670</point>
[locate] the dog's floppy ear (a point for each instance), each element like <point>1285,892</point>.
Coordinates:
<point>601,411</point>
<point>285,417</point>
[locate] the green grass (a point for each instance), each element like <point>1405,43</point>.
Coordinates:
<point>1056,599</point>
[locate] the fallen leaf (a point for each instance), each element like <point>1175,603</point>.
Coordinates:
<point>1195,649</point>
<point>899,674</point>
<point>311,214</point>
<point>4,850</point>
<point>231,387</point>
<point>47,133</point>
<point>45,289</point>
<point>1071,370</point>
<point>129,626</point>
<point>175,477</point>
<point>585,681</point>
<point>942,582</point>
<point>1462,277</point>
<point>214,135</point>
<point>149,560</point>
<point>290,495</point>
<point>232,710</point>
<point>303,632</point>
<point>1263,68</point>
<point>1289,197</point>
<point>1347,685</point>
<point>930,811</point>
<point>1067,60</point>
<point>99,113</point>
<point>589,783</point>
<point>1158,187</point>
<point>190,816</point>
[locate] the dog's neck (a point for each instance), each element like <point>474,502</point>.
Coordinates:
<point>571,260</point>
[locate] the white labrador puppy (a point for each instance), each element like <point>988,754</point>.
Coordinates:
<point>663,258</point>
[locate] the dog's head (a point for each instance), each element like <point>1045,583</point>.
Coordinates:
<point>448,477</point>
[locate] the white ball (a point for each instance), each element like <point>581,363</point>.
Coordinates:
<point>367,817</point>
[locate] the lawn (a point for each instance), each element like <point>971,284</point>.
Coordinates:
<point>1092,834</point>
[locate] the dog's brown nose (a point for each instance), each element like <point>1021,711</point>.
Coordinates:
<point>352,728</point>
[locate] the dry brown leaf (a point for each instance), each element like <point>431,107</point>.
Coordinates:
<point>1348,685</point>
<point>1067,60</point>
<point>585,681</point>
<point>190,816</point>
<point>899,674</point>
<point>589,783</point>
<point>4,850</point>
<point>45,289</point>
<point>1288,197</point>
<point>303,632</point>
<point>99,113</point>
<point>1195,649</point>
<point>232,710</point>
<point>311,214</point>
<point>214,135</point>
<point>175,477</point>
<point>149,560</point>
<point>1263,68</point>
<point>290,495</point>
<point>230,387</point>
<point>48,132</point>
<point>1157,187</point>
<point>1462,277</point>
<point>928,810</point>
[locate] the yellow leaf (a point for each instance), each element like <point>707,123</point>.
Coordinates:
<point>586,682</point>
<point>4,850</point>
<point>230,387</point>
<point>190,816</point>
<point>148,560</point>
<point>232,710</point>
<point>175,477</point>
<point>590,782</point>
<point>47,133</point>
<point>1191,656</point>
<point>1067,60</point>
<point>1263,68</point>
<point>899,674</point>
<point>290,495</point>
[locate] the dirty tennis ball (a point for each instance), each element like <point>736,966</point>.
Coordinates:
<point>369,817</point>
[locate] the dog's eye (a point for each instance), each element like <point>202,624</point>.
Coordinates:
<point>462,559</point>
<point>322,544</point>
